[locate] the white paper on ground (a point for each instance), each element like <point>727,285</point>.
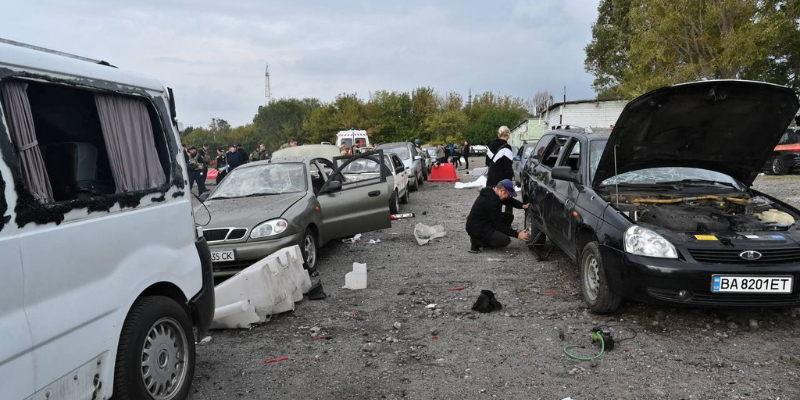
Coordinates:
<point>477,183</point>
<point>424,233</point>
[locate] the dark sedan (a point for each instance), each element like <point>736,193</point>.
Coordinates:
<point>662,210</point>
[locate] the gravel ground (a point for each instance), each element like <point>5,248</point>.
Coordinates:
<point>382,342</point>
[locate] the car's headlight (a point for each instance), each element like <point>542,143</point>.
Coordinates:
<point>269,228</point>
<point>644,242</point>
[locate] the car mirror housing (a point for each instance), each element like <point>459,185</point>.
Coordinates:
<point>332,186</point>
<point>203,197</point>
<point>417,158</point>
<point>564,173</point>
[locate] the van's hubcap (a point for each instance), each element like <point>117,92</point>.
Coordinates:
<point>592,277</point>
<point>163,363</point>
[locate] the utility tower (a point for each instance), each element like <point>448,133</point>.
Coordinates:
<point>267,92</point>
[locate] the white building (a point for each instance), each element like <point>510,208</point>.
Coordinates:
<point>585,113</point>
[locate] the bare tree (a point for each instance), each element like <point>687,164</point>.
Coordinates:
<point>538,103</point>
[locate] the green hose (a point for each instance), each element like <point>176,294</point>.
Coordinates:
<point>596,337</point>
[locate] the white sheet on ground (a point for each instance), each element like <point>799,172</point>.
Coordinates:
<point>424,233</point>
<point>356,279</point>
<point>270,286</point>
<point>477,183</point>
<point>479,171</point>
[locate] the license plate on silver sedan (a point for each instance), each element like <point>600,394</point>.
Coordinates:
<point>751,284</point>
<point>223,256</point>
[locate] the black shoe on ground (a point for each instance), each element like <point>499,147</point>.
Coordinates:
<point>474,247</point>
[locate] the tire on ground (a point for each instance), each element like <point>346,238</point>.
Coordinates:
<point>145,314</point>
<point>605,301</point>
<point>394,202</point>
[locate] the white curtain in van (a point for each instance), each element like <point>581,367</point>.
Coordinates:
<point>20,122</point>
<point>129,142</point>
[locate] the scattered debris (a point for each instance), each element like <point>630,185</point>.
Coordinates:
<point>205,340</point>
<point>397,325</point>
<point>357,279</point>
<point>434,331</point>
<point>424,233</point>
<point>374,241</point>
<point>486,302</point>
<point>353,240</point>
<point>276,359</point>
<point>316,292</point>
<point>478,183</point>
<point>369,347</point>
<point>435,338</point>
<point>479,171</point>
<point>395,217</point>
<point>431,306</point>
<point>457,288</point>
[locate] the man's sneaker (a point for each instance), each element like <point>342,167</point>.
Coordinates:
<point>474,247</point>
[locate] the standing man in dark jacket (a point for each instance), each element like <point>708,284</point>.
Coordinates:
<point>242,153</point>
<point>197,167</point>
<point>487,225</point>
<point>500,158</point>
<point>233,157</point>
<point>222,165</point>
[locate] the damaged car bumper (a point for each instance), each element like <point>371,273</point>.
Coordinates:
<point>246,254</point>
<point>678,282</point>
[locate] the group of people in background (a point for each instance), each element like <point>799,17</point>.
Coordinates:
<point>453,154</point>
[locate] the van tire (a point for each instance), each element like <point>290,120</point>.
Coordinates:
<point>157,318</point>
<point>594,284</point>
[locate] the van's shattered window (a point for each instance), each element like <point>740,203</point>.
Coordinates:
<point>262,180</point>
<point>655,175</point>
<point>401,151</point>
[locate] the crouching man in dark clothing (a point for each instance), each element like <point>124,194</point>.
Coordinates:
<point>487,224</point>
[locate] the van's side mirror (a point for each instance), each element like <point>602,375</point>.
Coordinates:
<point>332,186</point>
<point>564,173</point>
<point>203,197</point>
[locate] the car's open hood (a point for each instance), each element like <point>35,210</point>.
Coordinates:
<point>725,126</point>
<point>245,212</point>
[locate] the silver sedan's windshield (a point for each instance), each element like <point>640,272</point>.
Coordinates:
<point>651,176</point>
<point>366,165</point>
<point>262,180</point>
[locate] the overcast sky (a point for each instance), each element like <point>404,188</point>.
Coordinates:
<point>213,53</point>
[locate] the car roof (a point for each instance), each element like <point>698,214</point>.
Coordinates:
<point>601,135</point>
<point>393,144</point>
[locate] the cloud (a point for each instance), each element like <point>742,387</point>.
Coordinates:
<point>213,53</point>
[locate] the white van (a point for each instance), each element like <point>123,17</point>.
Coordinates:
<point>348,138</point>
<point>104,275</point>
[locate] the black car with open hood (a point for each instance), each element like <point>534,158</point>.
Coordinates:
<point>661,210</point>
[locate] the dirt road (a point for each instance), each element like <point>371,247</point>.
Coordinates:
<point>383,342</point>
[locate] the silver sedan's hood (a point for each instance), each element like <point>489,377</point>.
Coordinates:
<point>245,212</point>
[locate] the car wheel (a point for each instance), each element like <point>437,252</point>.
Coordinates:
<point>155,357</point>
<point>394,203</point>
<point>533,231</point>
<point>778,167</point>
<point>415,187</point>
<point>404,198</point>
<point>309,250</point>
<point>421,179</point>
<point>594,285</point>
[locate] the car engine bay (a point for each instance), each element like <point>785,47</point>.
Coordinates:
<point>705,213</point>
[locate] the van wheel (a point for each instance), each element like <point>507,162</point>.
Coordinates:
<point>155,357</point>
<point>309,250</point>
<point>404,198</point>
<point>594,285</point>
<point>394,203</point>
<point>777,166</point>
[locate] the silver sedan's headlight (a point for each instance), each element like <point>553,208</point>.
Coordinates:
<point>644,242</point>
<point>269,228</point>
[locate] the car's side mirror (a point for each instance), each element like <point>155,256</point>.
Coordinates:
<point>564,173</point>
<point>331,186</point>
<point>203,197</point>
<point>417,158</point>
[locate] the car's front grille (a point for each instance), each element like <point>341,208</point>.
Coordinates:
<point>779,255</point>
<point>728,299</point>
<point>215,235</point>
<point>237,234</point>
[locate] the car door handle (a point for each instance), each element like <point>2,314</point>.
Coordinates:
<point>374,193</point>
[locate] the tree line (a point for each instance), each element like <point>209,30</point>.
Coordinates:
<point>641,45</point>
<point>387,116</point>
